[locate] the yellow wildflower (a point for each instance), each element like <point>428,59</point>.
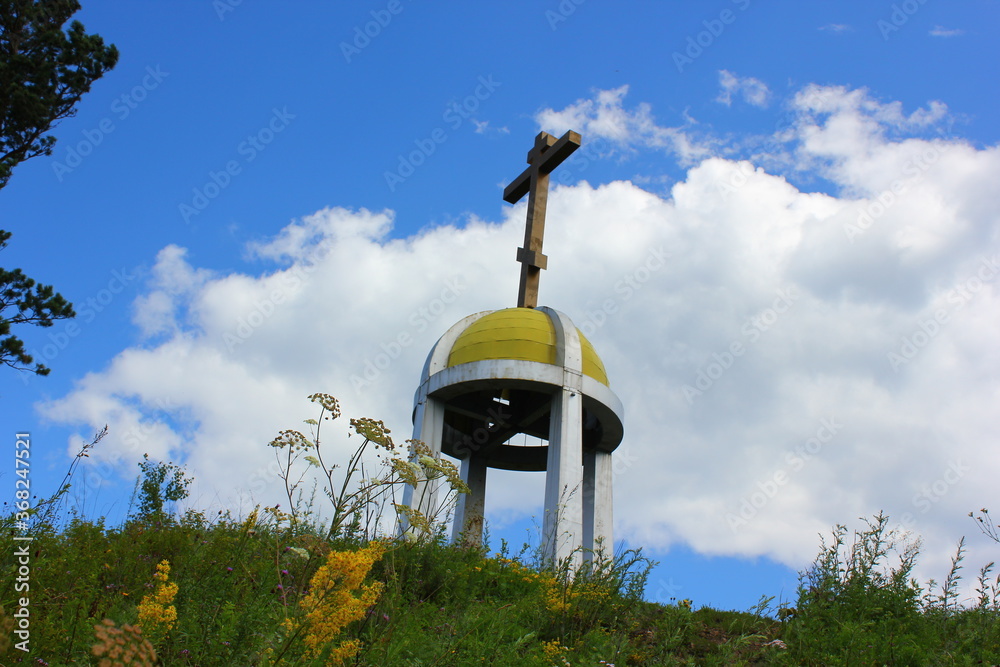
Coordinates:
<point>251,521</point>
<point>157,614</point>
<point>564,595</point>
<point>337,597</point>
<point>554,651</point>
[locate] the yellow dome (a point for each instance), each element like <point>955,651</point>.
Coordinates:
<point>519,333</point>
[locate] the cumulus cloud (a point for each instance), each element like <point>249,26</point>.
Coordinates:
<point>788,359</point>
<point>604,116</point>
<point>753,91</point>
<point>828,132</point>
<point>173,280</point>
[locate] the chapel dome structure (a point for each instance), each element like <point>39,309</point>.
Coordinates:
<point>495,372</point>
<point>519,333</point>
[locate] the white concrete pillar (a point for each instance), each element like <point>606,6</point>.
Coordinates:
<point>598,506</point>
<point>468,527</point>
<point>428,427</point>
<point>562,527</point>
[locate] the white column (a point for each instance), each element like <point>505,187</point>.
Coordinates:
<point>428,427</point>
<point>598,506</point>
<point>562,529</point>
<point>468,528</point>
<point>428,416</point>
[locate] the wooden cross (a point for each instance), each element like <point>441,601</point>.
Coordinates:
<point>546,155</point>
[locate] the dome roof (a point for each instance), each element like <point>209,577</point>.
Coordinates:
<point>494,374</point>
<point>519,333</point>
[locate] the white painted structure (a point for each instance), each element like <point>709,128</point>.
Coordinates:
<point>497,374</point>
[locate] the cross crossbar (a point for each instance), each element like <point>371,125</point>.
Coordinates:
<point>545,155</point>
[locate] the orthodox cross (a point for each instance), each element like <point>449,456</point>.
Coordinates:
<point>546,155</point>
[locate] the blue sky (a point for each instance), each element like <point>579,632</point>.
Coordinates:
<point>822,176</point>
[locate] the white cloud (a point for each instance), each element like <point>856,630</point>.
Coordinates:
<point>753,91</point>
<point>604,117</point>
<point>319,231</point>
<point>837,28</point>
<point>172,281</point>
<point>839,134</point>
<point>940,31</point>
<point>763,403</point>
<point>483,127</point>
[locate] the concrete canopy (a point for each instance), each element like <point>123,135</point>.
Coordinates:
<point>497,374</point>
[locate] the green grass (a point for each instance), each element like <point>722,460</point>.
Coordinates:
<point>443,605</point>
<point>240,583</point>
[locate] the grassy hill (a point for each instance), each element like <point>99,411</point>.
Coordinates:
<point>282,589</point>
<point>241,598</point>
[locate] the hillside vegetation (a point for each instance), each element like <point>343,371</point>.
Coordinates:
<point>277,588</point>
